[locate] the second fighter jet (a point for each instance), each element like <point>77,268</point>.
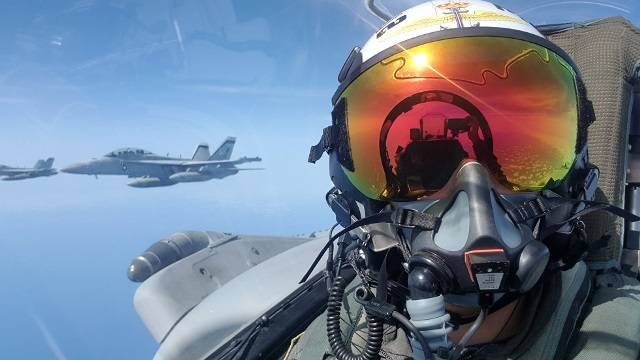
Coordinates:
<point>150,170</point>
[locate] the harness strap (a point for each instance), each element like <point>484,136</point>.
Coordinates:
<point>542,206</point>
<point>399,217</point>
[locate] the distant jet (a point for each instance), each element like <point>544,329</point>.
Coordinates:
<point>151,170</point>
<point>41,168</point>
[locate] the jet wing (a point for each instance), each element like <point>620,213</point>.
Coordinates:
<point>186,163</point>
<point>191,163</point>
<point>173,299</point>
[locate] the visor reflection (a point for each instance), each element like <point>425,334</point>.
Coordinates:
<point>507,103</point>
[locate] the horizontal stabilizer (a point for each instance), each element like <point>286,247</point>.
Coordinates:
<point>245,159</point>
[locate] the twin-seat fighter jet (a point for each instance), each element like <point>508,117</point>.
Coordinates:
<point>41,168</point>
<point>150,170</point>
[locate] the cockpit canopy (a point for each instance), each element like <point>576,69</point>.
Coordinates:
<point>128,152</point>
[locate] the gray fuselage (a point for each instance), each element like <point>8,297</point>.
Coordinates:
<point>115,163</point>
<point>24,173</point>
<point>130,162</point>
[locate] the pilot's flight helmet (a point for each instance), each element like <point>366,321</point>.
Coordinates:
<point>465,113</point>
<point>448,82</point>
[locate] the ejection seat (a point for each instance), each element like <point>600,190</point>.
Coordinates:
<point>607,52</point>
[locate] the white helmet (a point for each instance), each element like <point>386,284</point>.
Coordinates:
<point>434,16</point>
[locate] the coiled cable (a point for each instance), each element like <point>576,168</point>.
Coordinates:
<point>374,324</point>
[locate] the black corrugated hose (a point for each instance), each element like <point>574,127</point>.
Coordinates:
<point>340,350</point>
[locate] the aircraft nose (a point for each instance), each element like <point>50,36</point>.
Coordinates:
<point>77,168</point>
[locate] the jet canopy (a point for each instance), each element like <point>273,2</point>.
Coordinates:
<point>127,152</point>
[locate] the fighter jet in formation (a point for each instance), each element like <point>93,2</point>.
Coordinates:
<point>150,170</point>
<point>41,168</point>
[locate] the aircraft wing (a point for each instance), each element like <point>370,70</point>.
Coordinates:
<point>191,163</point>
<point>173,299</point>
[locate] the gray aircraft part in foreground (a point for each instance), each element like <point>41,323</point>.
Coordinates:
<point>199,288</point>
<point>150,170</point>
<point>41,168</point>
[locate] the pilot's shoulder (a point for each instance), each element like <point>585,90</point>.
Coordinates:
<point>611,328</point>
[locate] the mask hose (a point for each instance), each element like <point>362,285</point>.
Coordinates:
<point>430,318</point>
<point>339,348</point>
<point>427,280</point>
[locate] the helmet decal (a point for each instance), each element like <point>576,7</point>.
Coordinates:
<point>436,16</point>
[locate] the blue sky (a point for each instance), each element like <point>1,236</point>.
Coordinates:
<point>81,78</point>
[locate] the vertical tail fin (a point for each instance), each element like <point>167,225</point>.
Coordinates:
<point>225,150</point>
<point>44,164</point>
<point>202,153</point>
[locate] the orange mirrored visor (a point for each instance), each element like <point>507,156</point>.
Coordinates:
<point>414,117</point>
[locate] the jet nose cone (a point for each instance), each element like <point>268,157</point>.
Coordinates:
<point>139,270</point>
<point>77,168</point>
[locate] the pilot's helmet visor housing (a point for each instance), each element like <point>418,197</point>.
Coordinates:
<point>411,119</point>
